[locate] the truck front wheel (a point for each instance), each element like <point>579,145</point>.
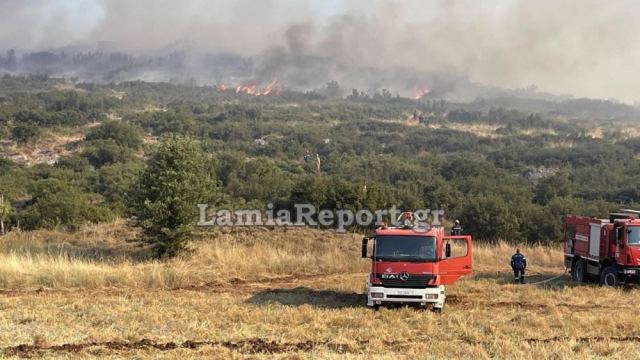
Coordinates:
<point>609,276</point>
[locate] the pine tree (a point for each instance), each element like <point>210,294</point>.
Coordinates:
<point>177,178</point>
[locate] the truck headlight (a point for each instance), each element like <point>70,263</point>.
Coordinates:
<point>377,295</point>
<point>431,296</point>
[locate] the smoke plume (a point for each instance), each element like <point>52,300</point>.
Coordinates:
<point>585,48</point>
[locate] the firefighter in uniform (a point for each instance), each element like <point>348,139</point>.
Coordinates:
<point>518,264</point>
<point>456,230</point>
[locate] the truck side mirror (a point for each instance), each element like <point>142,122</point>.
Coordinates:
<point>447,250</point>
<point>365,241</point>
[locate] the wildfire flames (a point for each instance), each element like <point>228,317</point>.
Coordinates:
<point>418,93</point>
<point>273,87</point>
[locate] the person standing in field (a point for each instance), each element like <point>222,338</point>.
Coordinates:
<point>318,163</point>
<point>456,230</point>
<point>306,157</point>
<point>518,264</point>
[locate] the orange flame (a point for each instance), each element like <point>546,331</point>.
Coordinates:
<point>418,93</point>
<point>255,90</point>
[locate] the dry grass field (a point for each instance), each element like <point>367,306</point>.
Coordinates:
<point>286,293</point>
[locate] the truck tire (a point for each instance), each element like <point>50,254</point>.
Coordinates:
<point>610,277</point>
<point>579,271</point>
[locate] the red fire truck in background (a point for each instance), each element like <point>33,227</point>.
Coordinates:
<point>605,250</point>
<point>411,266</point>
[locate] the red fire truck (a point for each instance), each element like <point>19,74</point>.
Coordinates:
<point>413,266</point>
<point>605,250</point>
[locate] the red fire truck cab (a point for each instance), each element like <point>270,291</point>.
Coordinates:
<point>606,250</point>
<point>412,266</point>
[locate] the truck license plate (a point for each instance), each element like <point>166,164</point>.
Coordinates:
<point>405,292</point>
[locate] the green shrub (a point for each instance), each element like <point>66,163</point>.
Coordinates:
<point>103,152</point>
<point>57,203</point>
<point>121,133</point>
<point>25,133</point>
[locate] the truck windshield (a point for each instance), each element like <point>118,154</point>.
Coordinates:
<point>405,248</point>
<point>633,235</point>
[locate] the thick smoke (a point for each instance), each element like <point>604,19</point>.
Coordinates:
<point>585,48</point>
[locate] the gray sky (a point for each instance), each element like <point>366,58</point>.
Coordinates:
<point>585,48</point>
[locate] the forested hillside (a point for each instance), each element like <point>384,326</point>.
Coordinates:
<point>507,169</point>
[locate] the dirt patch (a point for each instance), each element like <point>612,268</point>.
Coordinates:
<point>249,346</point>
<point>47,150</point>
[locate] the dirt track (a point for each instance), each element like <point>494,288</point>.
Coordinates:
<point>249,346</point>
<point>253,346</point>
